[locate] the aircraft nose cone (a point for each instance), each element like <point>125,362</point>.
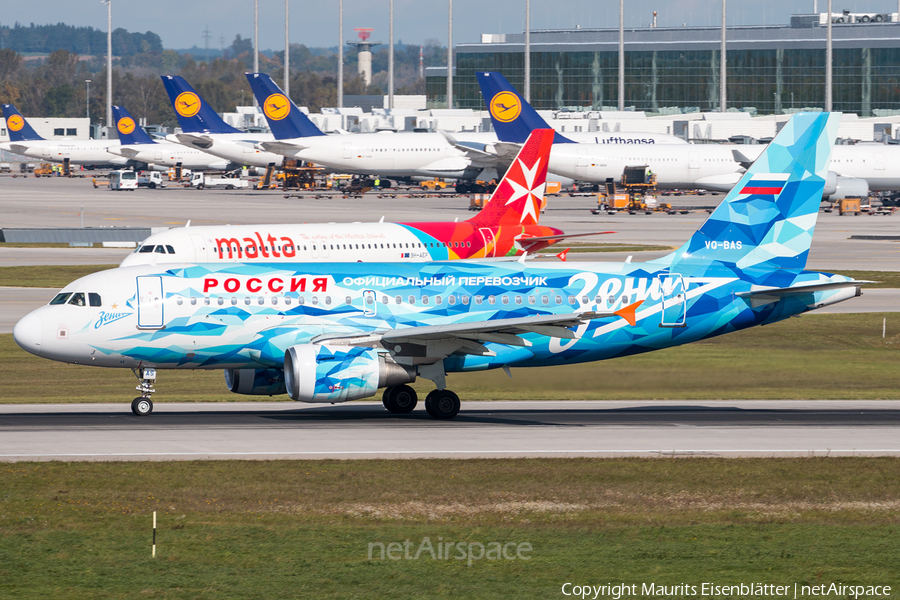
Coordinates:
<point>27,333</point>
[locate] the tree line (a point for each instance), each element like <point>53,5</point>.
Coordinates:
<point>54,85</point>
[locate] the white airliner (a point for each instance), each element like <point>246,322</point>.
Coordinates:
<point>136,145</point>
<point>388,154</point>
<point>507,226</point>
<point>25,141</point>
<point>204,130</point>
<point>854,169</point>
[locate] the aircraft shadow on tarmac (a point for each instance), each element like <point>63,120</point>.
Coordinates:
<point>363,415</point>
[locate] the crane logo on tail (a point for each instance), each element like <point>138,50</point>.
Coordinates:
<point>15,122</point>
<point>126,125</point>
<point>277,107</point>
<point>187,104</point>
<point>505,107</point>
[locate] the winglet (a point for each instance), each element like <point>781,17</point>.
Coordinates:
<point>627,313</point>
<point>562,255</point>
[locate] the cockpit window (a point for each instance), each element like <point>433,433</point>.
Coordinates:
<point>170,249</point>
<point>94,299</point>
<point>160,249</point>
<point>77,299</point>
<point>61,298</point>
<point>146,248</point>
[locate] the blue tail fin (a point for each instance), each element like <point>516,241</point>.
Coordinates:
<point>513,118</point>
<point>285,120</point>
<point>767,219</point>
<point>19,129</point>
<point>129,131</point>
<point>194,114</point>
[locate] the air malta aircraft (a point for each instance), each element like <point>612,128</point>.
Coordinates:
<point>25,141</point>
<point>398,155</point>
<point>203,129</point>
<point>854,169</point>
<point>138,146</point>
<point>507,226</point>
<point>331,332</point>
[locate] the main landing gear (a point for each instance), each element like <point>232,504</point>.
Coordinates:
<point>440,404</point>
<point>143,405</point>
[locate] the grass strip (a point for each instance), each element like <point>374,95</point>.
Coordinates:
<point>47,276</point>
<point>831,356</point>
<point>279,529</point>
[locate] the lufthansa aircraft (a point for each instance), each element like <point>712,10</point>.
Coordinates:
<point>203,129</point>
<point>854,169</point>
<point>136,145</point>
<point>25,141</point>
<point>507,226</point>
<point>398,155</point>
<point>331,332</point>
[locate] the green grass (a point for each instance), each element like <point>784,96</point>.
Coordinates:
<point>840,356</point>
<point>48,276</point>
<point>294,529</point>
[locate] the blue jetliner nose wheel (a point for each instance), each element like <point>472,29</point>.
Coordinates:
<point>442,404</point>
<point>142,406</point>
<point>399,399</point>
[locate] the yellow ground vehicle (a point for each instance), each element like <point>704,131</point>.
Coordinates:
<point>433,184</point>
<point>45,170</point>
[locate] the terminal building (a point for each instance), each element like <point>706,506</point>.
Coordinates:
<point>671,70</point>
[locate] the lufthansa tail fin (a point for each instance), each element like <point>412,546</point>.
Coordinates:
<point>194,114</point>
<point>513,118</point>
<point>130,132</point>
<point>767,219</point>
<point>19,129</point>
<point>285,120</point>
<point>517,199</point>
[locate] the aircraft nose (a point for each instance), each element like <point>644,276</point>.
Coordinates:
<point>27,333</point>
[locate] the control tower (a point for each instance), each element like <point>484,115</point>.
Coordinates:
<point>364,53</point>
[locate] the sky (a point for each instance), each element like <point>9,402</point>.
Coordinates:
<point>181,23</point>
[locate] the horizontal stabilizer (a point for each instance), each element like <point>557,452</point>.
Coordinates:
<point>561,236</point>
<point>762,290</point>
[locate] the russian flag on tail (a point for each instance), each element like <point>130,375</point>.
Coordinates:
<point>769,184</point>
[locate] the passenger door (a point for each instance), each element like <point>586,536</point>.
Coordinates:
<point>150,302</point>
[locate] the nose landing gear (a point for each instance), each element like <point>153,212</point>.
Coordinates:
<point>143,405</point>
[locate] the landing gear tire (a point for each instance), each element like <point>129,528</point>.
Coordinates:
<point>142,406</point>
<point>442,404</point>
<point>400,399</point>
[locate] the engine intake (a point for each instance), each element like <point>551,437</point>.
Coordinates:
<point>837,187</point>
<point>321,373</point>
<point>255,382</point>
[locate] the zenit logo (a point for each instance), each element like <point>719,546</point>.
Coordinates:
<point>126,125</point>
<point>506,107</point>
<point>277,107</point>
<point>15,122</point>
<point>187,104</point>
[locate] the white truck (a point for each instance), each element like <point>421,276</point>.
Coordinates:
<point>151,179</point>
<point>202,180</point>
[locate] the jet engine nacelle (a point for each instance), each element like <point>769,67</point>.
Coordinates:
<point>255,382</point>
<point>837,187</point>
<point>321,373</point>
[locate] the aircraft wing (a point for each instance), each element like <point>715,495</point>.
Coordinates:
<point>562,236</point>
<point>497,154</point>
<point>760,295</point>
<point>427,344</point>
<point>283,148</point>
<point>194,140</point>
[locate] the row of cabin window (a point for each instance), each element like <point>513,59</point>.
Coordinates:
<point>289,248</point>
<point>77,299</point>
<point>545,300</point>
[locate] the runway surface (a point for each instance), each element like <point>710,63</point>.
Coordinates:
<point>283,430</point>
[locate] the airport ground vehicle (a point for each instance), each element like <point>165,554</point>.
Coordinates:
<point>433,184</point>
<point>151,179</point>
<point>123,180</point>
<point>202,180</point>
